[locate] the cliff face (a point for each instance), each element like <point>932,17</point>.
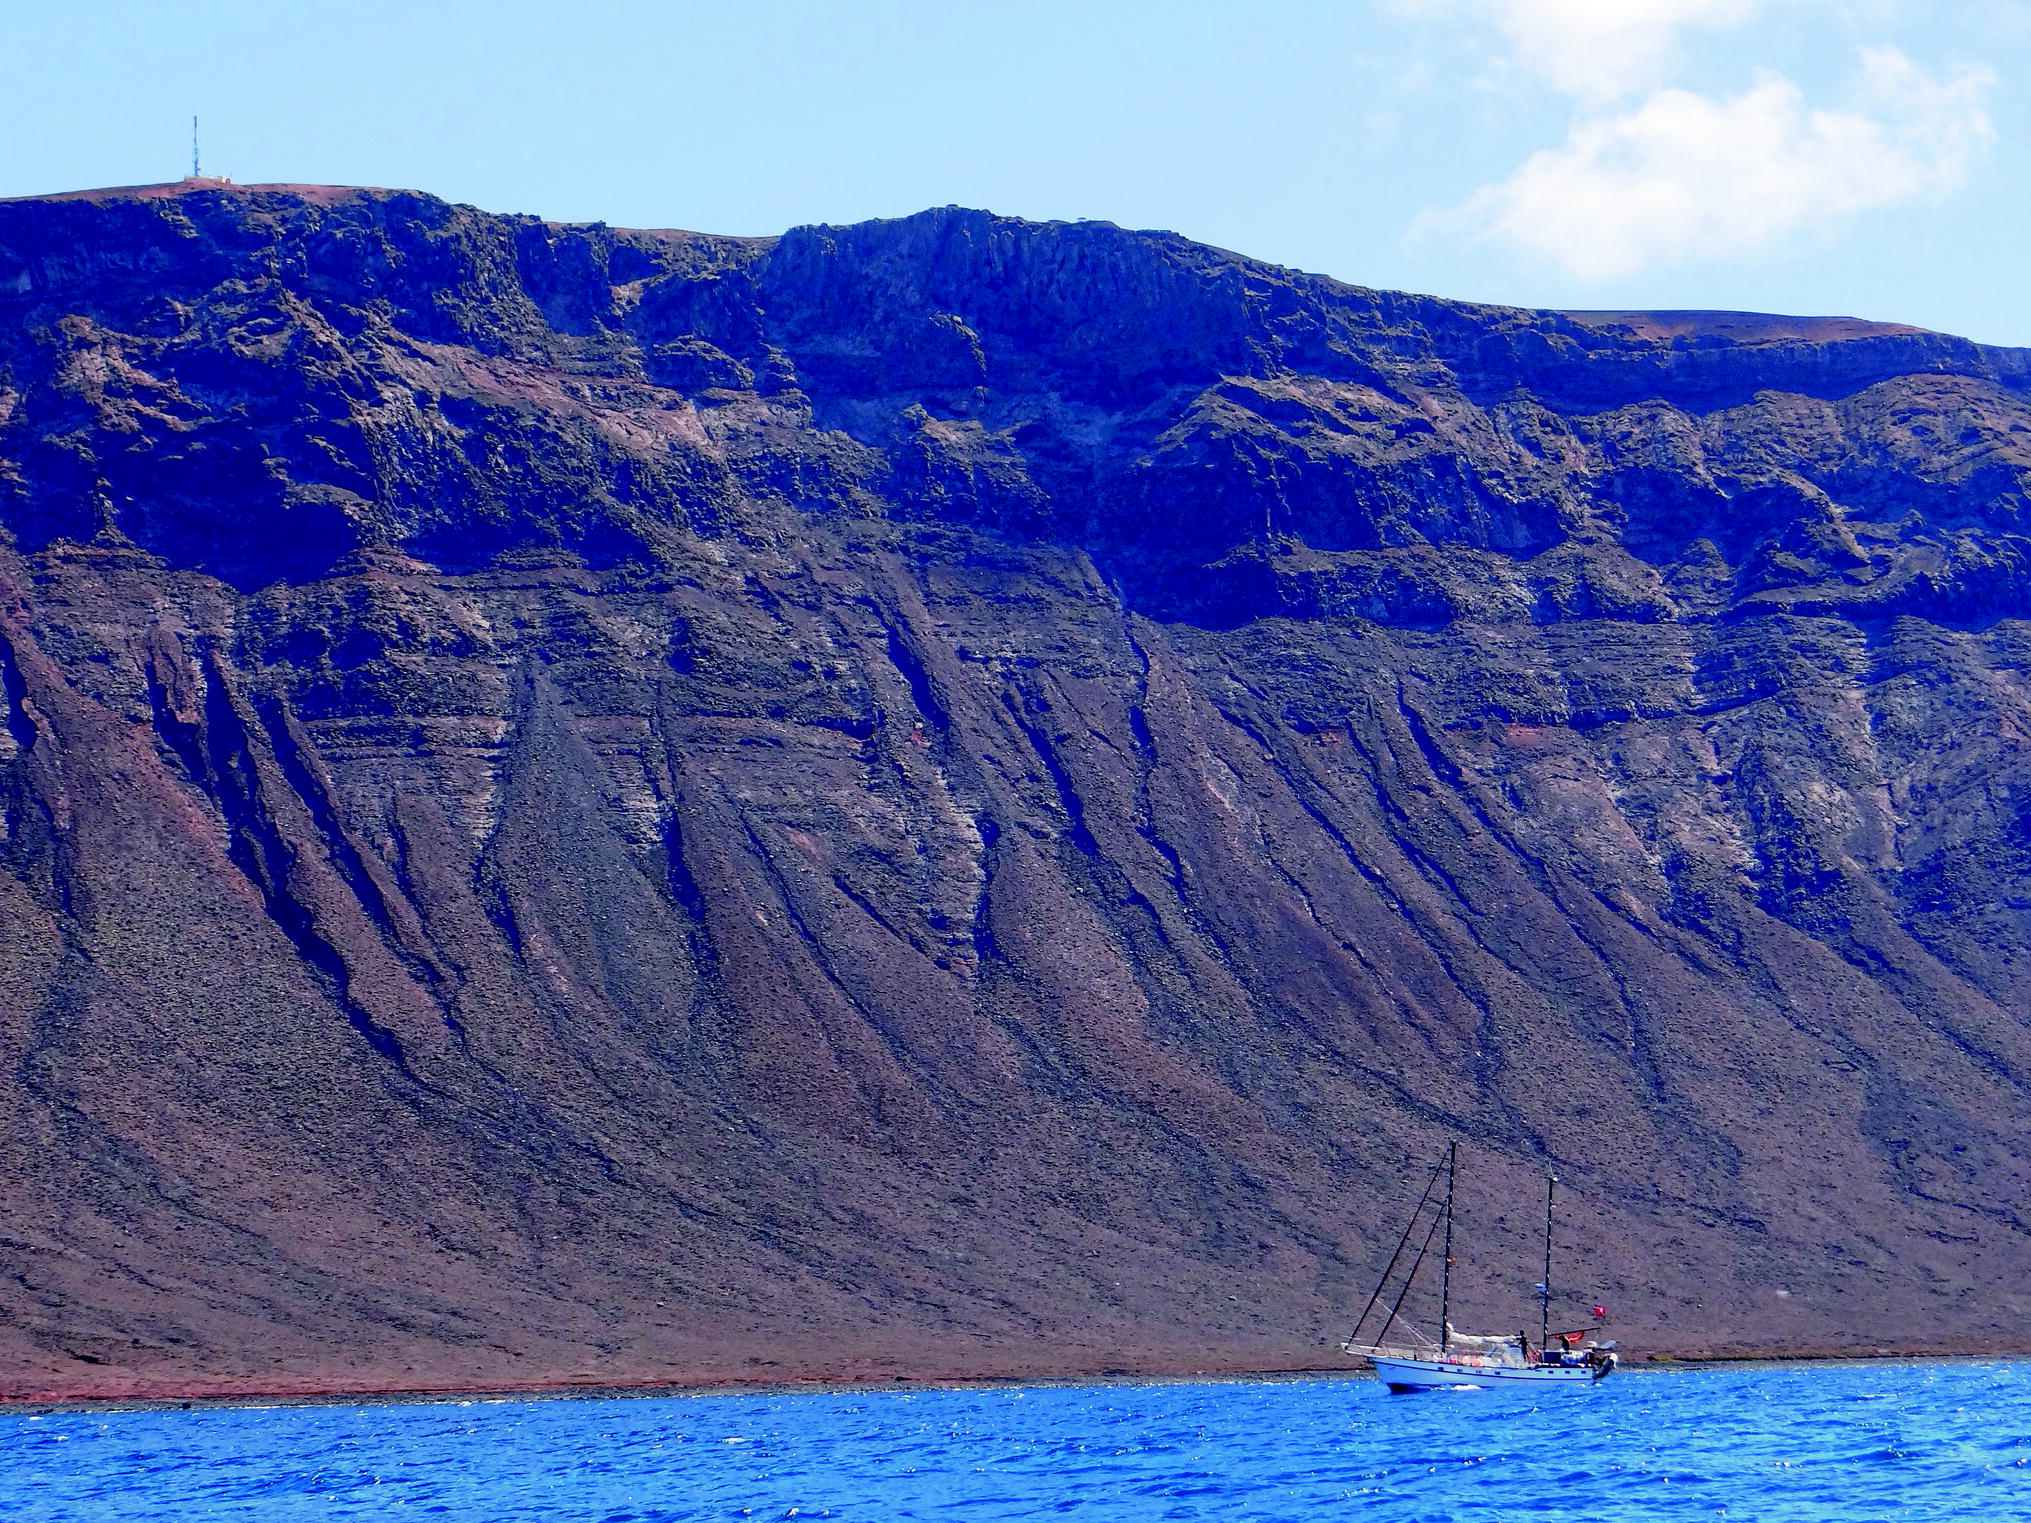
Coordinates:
<point>957,794</point>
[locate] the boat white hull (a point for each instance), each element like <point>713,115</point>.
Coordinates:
<point>1450,1374</point>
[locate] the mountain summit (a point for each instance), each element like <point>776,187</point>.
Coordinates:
<point>962,795</point>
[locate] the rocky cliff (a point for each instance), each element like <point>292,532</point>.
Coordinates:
<point>964,795</point>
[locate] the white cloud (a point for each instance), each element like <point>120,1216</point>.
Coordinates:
<point>1602,49</point>
<point>1596,50</point>
<point>1684,175</point>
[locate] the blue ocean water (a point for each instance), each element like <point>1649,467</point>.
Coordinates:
<point>1793,1444</point>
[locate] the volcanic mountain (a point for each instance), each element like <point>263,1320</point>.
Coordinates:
<point>958,795</point>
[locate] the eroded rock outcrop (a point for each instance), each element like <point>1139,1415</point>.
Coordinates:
<point>961,794</point>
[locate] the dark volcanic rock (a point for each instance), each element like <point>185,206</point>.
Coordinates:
<point>955,794</point>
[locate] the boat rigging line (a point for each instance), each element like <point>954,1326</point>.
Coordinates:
<point>1417,1213</point>
<point>1411,1279</point>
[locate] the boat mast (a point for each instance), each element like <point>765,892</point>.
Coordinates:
<point>1544,1290</point>
<point>1446,1264</point>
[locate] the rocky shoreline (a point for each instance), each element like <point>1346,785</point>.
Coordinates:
<point>830,1385</point>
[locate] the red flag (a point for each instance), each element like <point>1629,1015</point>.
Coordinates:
<point>1600,1311</point>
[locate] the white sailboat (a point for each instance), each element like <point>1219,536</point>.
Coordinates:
<point>1409,1359</point>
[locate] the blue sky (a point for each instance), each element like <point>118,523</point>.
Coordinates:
<point>1870,157</point>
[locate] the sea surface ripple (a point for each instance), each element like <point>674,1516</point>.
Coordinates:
<point>1797,1443</point>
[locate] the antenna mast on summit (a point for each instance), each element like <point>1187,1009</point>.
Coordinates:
<point>193,150</point>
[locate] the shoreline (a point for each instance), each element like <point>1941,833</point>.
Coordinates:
<point>26,1406</point>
